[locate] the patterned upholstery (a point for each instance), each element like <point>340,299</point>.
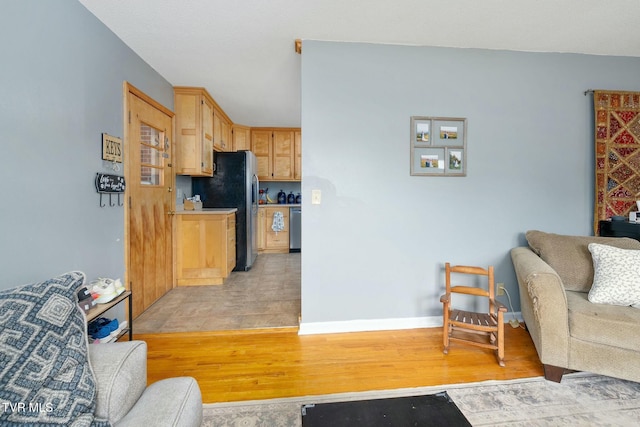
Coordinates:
<point>617,275</point>
<point>45,376</point>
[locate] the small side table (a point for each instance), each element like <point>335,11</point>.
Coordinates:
<point>619,229</point>
<point>101,308</point>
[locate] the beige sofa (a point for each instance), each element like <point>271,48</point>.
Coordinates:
<point>123,397</point>
<point>555,274</point>
<point>51,375</point>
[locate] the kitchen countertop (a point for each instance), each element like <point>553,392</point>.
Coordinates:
<point>211,211</point>
<point>281,205</point>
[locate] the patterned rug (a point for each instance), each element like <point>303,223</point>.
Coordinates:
<point>581,399</point>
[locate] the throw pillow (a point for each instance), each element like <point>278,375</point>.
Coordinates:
<point>616,277</point>
<point>45,376</point>
<point>570,257</point>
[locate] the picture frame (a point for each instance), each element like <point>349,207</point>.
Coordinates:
<point>438,146</point>
<point>428,161</point>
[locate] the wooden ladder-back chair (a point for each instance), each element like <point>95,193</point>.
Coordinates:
<point>484,329</point>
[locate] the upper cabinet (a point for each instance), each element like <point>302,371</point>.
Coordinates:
<point>275,150</point>
<point>297,152</point>
<point>221,131</point>
<point>194,131</point>
<point>202,127</point>
<point>241,136</point>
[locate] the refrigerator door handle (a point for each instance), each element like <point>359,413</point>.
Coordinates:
<point>256,189</point>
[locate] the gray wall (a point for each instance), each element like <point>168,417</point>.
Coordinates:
<point>60,88</point>
<point>375,247</point>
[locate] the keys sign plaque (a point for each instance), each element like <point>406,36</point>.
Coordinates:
<point>111,148</point>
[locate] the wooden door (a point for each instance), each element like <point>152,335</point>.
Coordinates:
<point>149,179</point>
<point>283,156</point>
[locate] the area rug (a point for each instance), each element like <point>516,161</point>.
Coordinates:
<point>581,399</point>
<point>424,410</point>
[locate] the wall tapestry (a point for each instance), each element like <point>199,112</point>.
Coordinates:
<point>617,140</point>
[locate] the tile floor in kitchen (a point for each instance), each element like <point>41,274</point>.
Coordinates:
<point>266,296</point>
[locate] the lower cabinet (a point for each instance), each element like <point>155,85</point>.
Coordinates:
<point>270,241</point>
<point>262,229</point>
<point>205,248</point>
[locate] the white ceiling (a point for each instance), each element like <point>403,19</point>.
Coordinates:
<point>242,51</point>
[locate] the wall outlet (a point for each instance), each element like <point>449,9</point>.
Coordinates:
<point>500,289</point>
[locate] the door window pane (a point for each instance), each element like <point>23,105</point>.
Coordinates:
<point>150,176</point>
<point>151,155</point>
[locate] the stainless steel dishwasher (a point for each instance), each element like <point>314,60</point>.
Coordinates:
<point>295,229</point>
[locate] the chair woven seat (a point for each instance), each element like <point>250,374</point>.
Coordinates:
<point>483,320</point>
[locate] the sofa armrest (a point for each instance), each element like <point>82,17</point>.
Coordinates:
<point>543,303</point>
<point>172,402</point>
<point>121,376</point>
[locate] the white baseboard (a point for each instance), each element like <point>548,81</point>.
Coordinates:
<point>313,328</point>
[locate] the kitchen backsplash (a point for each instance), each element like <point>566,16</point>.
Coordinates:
<point>183,188</point>
<point>275,187</point>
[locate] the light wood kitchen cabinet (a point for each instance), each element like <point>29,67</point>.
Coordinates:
<point>297,152</point>
<point>283,157</point>
<point>205,248</point>
<point>273,242</point>
<point>231,243</point>
<point>194,131</point>
<point>221,131</point>
<point>241,136</point>
<point>262,228</point>
<point>275,151</point>
<point>261,147</point>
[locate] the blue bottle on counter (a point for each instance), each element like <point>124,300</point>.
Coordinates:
<point>298,199</point>
<point>291,199</point>
<point>282,197</point>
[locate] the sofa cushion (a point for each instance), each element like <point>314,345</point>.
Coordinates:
<point>604,324</point>
<point>569,255</point>
<point>44,371</point>
<point>616,278</point>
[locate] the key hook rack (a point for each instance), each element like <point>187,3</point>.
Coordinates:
<point>110,184</point>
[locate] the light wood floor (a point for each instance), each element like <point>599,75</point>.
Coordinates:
<point>273,363</point>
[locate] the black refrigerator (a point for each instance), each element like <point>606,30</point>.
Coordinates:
<point>234,185</point>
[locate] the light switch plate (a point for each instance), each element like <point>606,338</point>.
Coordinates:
<point>316,197</point>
